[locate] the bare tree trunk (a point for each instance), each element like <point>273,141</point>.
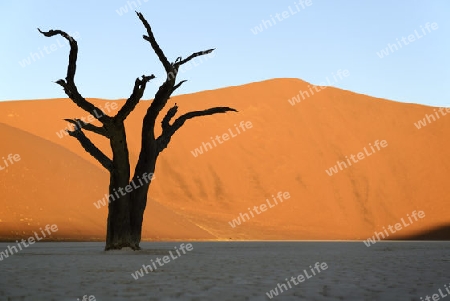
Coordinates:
<point>138,205</point>
<point>118,232</point>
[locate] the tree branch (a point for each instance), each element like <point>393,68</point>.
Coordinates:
<point>177,86</point>
<point>178,123</point>
<point>169,130</point>
<point>69,84</point>
<point>79,124</point>
<point>165,122</point>
<point>135,97</point>
<point>91,148</point>
<point>73,50</point>
<point>151,39</point>
<point>180,62</point>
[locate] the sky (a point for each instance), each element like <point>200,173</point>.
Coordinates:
<point>398,50</point>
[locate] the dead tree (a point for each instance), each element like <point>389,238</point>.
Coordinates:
<point>125,214</point>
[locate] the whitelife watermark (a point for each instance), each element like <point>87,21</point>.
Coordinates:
<point>166,259</point>
<point>263,207</point>
<point>109,107</point>
<point>130,6</point>
<point>31,240</point>
<point>430,118</point>
<point>398,226</point>
<point>10,160</point>
<point>87,298</point>
<point>360,156</point>
<point>146,177</point>
<point>46,50</point>
<point>302,95</point>
<point>391,48</point>
<point>437,297</point>
<point>266,24</point>
<point>205,145</point>
<point>301,278</point>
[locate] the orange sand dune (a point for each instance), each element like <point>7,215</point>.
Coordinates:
<point>51,185</point>
<point>286,149</point>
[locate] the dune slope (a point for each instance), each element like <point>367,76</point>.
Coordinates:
<point>272,146</point>
<point>51,185</point>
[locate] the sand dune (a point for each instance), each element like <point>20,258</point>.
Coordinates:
<point>288,148</point>
<point>51,185</point>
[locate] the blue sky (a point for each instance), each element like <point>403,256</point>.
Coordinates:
<point>310,40</point>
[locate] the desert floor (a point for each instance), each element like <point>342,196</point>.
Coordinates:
<point>227,271</point>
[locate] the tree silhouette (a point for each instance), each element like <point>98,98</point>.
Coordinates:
<point>125,214</point>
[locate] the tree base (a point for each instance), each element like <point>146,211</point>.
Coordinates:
<point>134,247</point>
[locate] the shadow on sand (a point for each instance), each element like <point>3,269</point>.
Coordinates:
<point>437,233</point>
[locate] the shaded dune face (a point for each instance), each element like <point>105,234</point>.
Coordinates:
<point>217,167</point>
